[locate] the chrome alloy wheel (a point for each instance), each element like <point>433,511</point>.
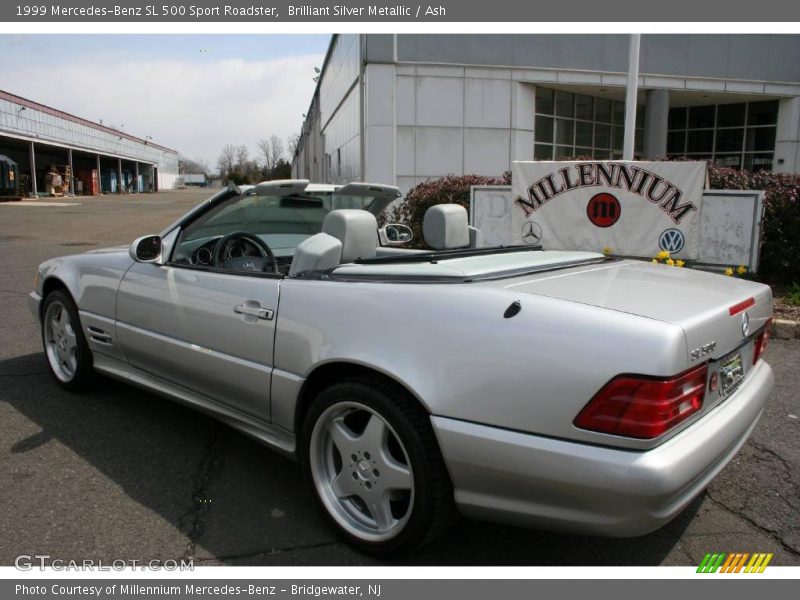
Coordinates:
<point>361,471</point>
<point>60,341</point>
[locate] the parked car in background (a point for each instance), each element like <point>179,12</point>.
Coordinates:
<point>565,390</point>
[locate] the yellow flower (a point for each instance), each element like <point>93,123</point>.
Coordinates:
<point>741,269</point>
<point>729,272</point>
<point>679,263</point>
<point>663,254</point>
<point>606,250</point>
<point>654,261</point>
<point>670,262</point>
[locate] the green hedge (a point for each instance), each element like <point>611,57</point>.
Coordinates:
<point>780,255</point>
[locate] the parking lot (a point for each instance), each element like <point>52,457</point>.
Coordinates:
<point>118,473</point>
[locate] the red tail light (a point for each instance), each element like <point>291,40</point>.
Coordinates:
<point>644,407</point>
<point>760,345</point>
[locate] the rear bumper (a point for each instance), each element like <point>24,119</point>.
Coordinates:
<point>535,481</point>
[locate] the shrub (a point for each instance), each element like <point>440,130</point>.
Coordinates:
<point>452,189</point>
<point>793,295</point>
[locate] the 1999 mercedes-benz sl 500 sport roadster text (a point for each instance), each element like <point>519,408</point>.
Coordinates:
<point>565,390</point>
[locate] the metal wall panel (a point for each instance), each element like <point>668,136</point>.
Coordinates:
<point>22,119</point>
<point>751,57</point>
<point>340,113</point>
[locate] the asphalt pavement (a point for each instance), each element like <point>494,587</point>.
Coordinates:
<point>118,473</point>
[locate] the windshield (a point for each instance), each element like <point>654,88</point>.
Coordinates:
<point>296,215</point>
<point>240,232</point>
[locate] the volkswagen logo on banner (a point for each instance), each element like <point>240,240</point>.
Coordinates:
<point>671,240</point>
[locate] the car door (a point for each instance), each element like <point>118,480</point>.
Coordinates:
<point>207,328</point>
<point>211,333</point>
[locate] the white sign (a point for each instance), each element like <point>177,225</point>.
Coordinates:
<point>730,224</point>
<point>633,208</point>
<point>730,228</point>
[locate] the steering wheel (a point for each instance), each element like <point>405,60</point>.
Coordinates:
<point>262,247</point>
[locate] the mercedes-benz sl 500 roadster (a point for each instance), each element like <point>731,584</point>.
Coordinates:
<point>562,390</point>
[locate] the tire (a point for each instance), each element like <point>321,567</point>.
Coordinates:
<point>370,456</point>
<point>65,347</point>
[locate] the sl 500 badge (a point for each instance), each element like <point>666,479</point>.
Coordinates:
<point>702,350</point>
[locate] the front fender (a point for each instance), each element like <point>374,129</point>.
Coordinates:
<point>92,279</point>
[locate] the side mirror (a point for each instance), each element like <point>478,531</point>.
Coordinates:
<point>146,249</point>
<point>396,234</point>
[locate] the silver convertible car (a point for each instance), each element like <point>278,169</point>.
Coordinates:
<point>563,390</point>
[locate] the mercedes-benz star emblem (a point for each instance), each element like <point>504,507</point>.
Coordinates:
<point>531,233</point>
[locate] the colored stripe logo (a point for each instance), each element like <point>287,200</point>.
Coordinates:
<point>737,562</point>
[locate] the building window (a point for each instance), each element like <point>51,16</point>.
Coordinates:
<point>741,135</point>
<point>569,125</point>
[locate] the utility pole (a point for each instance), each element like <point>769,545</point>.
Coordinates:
<point>630,97</point>
<point>34,190</point>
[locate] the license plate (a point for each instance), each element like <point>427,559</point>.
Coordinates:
<point>731,374</point>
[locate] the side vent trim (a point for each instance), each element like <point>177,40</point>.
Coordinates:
<point>98,335</point>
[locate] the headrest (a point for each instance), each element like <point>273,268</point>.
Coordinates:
<point>356,229</point>
<point>316,253</point>
<point>446,226</point>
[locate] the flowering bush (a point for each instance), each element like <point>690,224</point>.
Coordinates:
<point>664,258</point>
<point>453,189</point>
<point>739,271</point>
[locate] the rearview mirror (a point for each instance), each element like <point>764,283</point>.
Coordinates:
<point>146,249</point>
<point>395,234</point>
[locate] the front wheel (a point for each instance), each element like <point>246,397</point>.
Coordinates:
<point>65,346</point>
<point>371,458</point>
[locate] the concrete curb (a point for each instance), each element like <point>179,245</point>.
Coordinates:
<point>785,329</point>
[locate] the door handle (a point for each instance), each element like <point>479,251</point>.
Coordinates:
<point>254,309</point>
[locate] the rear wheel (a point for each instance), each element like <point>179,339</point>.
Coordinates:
<point>371,458</point>
<point>65,346</point>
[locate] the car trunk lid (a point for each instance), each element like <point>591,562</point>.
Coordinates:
<point>710,308</point>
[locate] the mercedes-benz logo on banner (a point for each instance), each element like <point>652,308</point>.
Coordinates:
<point>671,240</point>
<point>531,233</point>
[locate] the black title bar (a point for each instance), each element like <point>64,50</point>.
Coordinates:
<point>142,11</point>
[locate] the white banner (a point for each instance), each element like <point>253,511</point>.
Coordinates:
<point>630,208</point>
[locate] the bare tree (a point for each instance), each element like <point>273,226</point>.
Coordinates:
<point>189,165</point>
<point>271,151</point>
<point>291,145</point>
<point>232,162</point>
<point>226,163</point>
<point>241,156</point>
<point>263,151</point>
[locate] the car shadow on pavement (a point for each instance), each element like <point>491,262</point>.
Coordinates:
<point>237,502</point>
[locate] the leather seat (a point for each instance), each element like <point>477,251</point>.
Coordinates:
<point>446,227</point>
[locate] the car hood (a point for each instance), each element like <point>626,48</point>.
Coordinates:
<point>706,305</point>
<point>111,250</point>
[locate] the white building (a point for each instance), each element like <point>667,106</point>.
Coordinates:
<point>39,137</point>
<point>404,108</point>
